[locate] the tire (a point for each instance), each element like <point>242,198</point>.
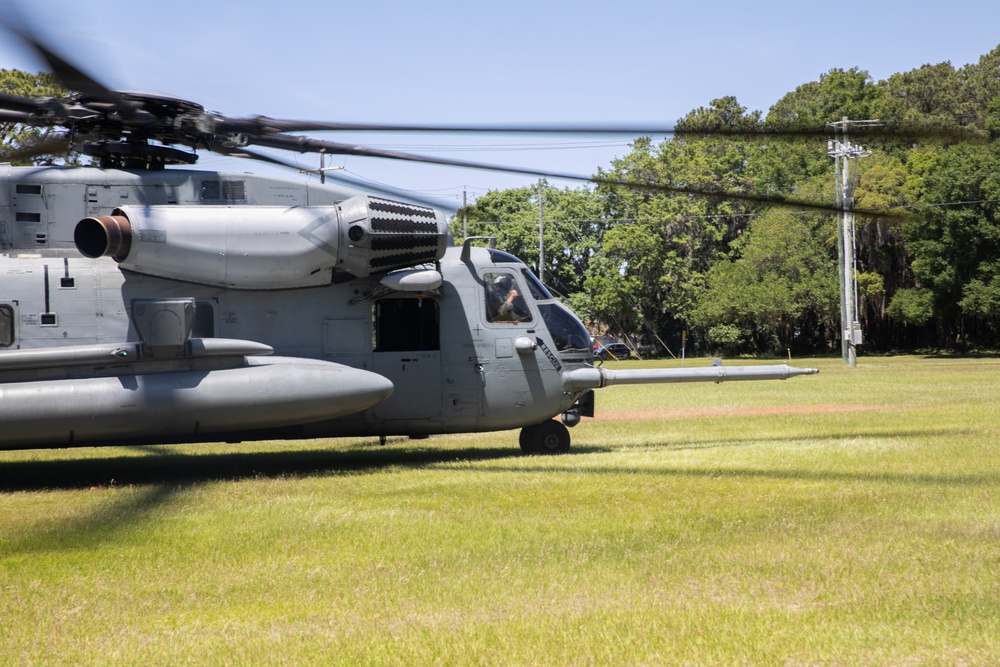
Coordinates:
<point>547,438</point>
<point>524,439</point>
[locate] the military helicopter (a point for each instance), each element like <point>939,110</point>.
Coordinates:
<point>142,301</point>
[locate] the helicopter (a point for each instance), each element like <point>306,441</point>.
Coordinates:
<point>146,302</point>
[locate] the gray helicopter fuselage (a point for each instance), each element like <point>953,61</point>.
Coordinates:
<point>452,366</point>
<point>190,306</point>
<point>452,369</point>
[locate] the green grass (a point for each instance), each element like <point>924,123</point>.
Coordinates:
<point>851,518</point>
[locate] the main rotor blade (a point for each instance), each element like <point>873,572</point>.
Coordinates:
<point>366,186</point>
<point>56,145</point>
<point>17,103</point>
<point>266,125</point>
<point>70,76</point>
<point>8,116</point>
<point>309,145</point>
<point>232,151</point>
<point>258,125</point>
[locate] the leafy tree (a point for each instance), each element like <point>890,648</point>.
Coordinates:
<point>17,136</point>
<point>781,292</point>
<point>955,247</point>
<point>981,87</point>
<point>573,221</point>
<point>837,94</point>
<point>640,260</point>
<point>928,95</point>
<point>654,260</point>
<point>882,183</point>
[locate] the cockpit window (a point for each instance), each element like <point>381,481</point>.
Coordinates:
<point>568,333</point>
<point>535,286</point>
<point>504,302</point>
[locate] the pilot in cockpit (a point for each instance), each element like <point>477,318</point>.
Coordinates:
<point>505,303</point>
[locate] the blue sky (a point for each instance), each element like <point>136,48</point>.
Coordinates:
<point>511,62</point>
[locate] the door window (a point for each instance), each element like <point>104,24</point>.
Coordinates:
<point>504,300</point>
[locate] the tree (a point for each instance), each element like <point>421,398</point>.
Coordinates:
<point>17,136</point>
<point>838,93</point>
<point>652,263</point>
<point>780,293</point>
<point>928,95</point>
<point>955,246</point>
<point>573,221</point>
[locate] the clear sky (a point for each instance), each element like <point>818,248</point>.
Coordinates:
<point>517,61</point>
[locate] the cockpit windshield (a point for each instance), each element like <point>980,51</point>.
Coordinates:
<point>568,333</point>
<point>535,286</point>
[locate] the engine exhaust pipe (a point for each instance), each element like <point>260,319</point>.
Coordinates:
<point>104,236</point>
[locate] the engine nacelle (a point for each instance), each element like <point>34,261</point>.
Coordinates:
<point>266,247</point>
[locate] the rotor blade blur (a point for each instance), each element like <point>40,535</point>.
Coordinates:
<point>232,151</point>
<point>59,145</point>
<point>8,116</point>
<point>888,130</point>
<point>18,103</point>
<point>70,76</point>
<point>309,145</point>
<point>263,124</point>
<point>348,181</point>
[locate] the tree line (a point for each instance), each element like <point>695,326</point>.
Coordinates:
<point>746,276</point>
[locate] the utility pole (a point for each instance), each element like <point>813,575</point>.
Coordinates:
<point>465,217</point>
<point>322,168</point>
<point>541,235</point>
<point>843,152</point>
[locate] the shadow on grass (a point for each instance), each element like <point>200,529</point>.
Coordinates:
<point>164,467</point>
<point>984,354</point>
<point>163,474</point>
<point>717,442</point>
<point>94,528</point>
<point>755,473</point>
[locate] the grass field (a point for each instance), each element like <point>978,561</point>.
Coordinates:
<point>850,518</point>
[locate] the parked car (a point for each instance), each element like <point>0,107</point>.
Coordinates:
<point>612,351</point>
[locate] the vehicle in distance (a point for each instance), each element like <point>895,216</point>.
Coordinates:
<point>616,351</point>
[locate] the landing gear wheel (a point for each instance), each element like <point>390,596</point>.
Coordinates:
<point>549,437</point>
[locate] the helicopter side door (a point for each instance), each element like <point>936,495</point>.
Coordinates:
<point>408,352</point>
<point>515,389</point>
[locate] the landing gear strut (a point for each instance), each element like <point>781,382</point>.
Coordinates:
<point>549,437</point>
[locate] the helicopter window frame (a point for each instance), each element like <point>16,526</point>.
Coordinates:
<point>508,307</point>
<point>7,333</point>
